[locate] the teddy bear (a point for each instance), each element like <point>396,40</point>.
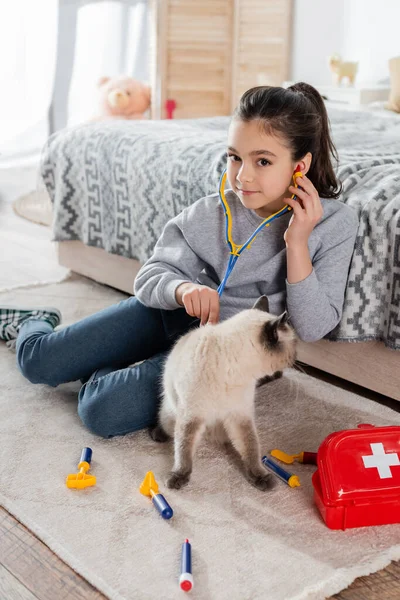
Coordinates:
<point>123,97</point>
<point>341,69</point>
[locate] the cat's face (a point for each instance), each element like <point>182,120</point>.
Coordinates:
<point>276,337</point>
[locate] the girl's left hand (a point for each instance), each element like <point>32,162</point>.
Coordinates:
<point>307,212</point>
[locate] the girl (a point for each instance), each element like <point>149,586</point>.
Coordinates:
<point>300,262</point>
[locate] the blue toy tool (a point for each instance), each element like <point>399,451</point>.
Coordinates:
<point>186,577</point>
<point>289,478</point>
<point>149,487</point>
<point>237,249</point>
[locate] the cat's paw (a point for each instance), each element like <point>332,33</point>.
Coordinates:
<point>158,434</point>
<point>262,481</point>
<point>268,378</point>
<point>177,480</point>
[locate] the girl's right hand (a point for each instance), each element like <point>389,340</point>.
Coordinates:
<point>199,301</point>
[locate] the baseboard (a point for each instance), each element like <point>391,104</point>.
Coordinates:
<point>113,270</point>
<point>369,364</point>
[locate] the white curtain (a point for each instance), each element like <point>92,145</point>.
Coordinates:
<point>52,54</point>
<point>28,41</point>
<point>111,39</point>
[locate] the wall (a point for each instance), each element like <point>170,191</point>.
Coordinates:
<point>27,48</point>
<point>372,35</point>
<point>363,30</point>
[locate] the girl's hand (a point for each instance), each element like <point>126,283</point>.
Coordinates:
<point>307,212</point>
<point>199,301</point>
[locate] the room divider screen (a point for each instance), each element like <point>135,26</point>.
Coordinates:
<point>205,54</point>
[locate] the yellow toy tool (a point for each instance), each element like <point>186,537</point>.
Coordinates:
<point>307,458</point>
<point>82,480</point>
<point>149,487</point>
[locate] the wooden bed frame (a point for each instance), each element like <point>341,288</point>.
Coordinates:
<point>369,364</point>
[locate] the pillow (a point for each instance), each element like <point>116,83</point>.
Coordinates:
<point>394,97</point>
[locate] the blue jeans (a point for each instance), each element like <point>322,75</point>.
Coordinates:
<point>115,398</point>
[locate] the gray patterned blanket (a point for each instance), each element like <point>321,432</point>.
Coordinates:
<point>114,185</point>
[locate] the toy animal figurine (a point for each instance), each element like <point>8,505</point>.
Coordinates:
<point>170,106</point>
<point>341,69</point>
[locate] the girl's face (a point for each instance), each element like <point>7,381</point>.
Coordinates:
<point>260,167</point>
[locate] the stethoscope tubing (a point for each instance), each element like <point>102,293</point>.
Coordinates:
<point>235,249</point>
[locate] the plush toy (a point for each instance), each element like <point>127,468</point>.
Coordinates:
<point>123,97</point>
<point>342,69</point>
<point>394,98</point>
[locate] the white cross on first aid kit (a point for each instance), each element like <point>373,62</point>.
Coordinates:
<point>357,482</point>
<point>381,461</point>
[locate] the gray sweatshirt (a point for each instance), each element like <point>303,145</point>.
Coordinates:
<point>192,247</point>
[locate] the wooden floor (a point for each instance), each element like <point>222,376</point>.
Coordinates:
<point>29,570</point>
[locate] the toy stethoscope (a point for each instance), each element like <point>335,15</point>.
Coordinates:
<point>236,249</point>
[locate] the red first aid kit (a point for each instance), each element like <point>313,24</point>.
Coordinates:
<point>357,482</point>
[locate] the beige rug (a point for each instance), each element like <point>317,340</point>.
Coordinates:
<point>247,545</point>
<point>35,206</point>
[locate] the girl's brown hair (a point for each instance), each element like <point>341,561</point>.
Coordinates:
<point>298,114</point>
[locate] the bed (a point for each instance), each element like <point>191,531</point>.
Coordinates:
<point>115,184</point>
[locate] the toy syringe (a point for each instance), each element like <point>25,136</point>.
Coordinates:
<point>149,487</point>
<point>289,478</point>
<point>186,578</point>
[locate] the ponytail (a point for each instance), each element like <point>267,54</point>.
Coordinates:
<point>321,171</point>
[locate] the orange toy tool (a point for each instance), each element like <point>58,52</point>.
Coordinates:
<point>82,480</point>
<point>149,487</point>
<point>308,458</point>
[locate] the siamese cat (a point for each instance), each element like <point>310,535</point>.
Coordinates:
<point>209,382</point>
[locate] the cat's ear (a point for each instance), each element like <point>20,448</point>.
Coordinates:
<point>282,319</point>
<point>262,304</point>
